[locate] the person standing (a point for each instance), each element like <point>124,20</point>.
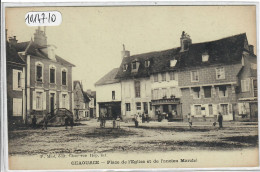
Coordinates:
<point>71,122</point>
<point>45,122</point>
<point>220,120</point>
<point>118,122</point>
<point>66,122</point>
<point>34,120</point>
<point>189,120</point>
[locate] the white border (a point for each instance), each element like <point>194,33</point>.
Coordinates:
<point>17,3</point>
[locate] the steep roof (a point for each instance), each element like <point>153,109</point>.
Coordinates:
<point>36,50</point>
<point>13,56</point>
<point>86,97</point>
<point>223,51</point>
<point>109,78</point>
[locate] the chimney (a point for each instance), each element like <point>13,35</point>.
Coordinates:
<point>39,37</point>
<point>251,49</point>
<point>12,40</point>
<point>125,53</point>
<point>185,41</point>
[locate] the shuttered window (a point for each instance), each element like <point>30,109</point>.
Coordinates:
<point>197,109</point>
<point>128,107</point>
<point>207,91</point>
<point>172,76</point>
<point>155,76</point>
<point>17,80</point>
<point>163,76</point>
<point>137,88</point>
<point>39,100</point>
<point>194,76</point>
<point>17,107</point>
<point>220,73</point>
<point>245,85</point>
<point>138,106</point>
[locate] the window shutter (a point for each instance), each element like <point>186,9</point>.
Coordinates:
<point>215,109</point>
<point>67,102</point>
<point>44,101</point>
<point>15,79</point>
<point>247,107</point>
<point>206,109</point>
<point>230,108</point>
<point>19,105</point>
<point>14,107</point>
<point>248,84</point>
<point>60,101</point>
<point>34,100</point>
<point>176,76</point>
<point>240,106</point>
<point>192,110</point>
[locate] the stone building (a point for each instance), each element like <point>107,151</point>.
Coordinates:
<point>48,77</point>
<point>200,79</point>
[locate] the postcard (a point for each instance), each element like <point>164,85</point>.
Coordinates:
<point>131,87</point>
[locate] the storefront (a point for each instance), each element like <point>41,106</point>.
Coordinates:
<point>110,110</point>
<point>247,108</point>
<point>168,109</point>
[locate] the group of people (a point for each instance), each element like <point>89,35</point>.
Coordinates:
<point>220,120</point>
<point>116,122</point>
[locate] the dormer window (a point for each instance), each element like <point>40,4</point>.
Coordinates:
<point>173,63</point>
<point>147,63</point>
<point>125,67</point>
<point>134,65</point>
<point>205,57</point>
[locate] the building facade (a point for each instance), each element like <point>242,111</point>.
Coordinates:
<point>199,80</point>
<point>15,70</point>
<point>48,77</point>
<point>81,101</point>
<point>108,97</point>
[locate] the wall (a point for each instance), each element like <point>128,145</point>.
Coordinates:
<point>128,96</point>
<point>56,88</point>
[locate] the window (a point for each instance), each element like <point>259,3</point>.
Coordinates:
<point>137,88</point>
<point>147,63</point>
<point>197,109</point>
<point>52,75</point>
<point>173,92</point>
<point>163,76</point>
<point>125,67</point>
<point>113,95</point>
<point>128,107</point>
<point>164,93</point>
<point>224,109</point>
<point>173,63</point>
<point>39,100</point>
<point>207,92</point>
<point>223,91</point>
<point>172,76</point>
<point>134,65</point>
<point>150,104</point>
<point>220,73</point>
<point>17,79</point>
<point>196,92</point>
<point>64,100</point>
<point>155,93</point>
<point>155,76</point>
<point>245,85</point>
<point>138,106</point>
<point>210,109</point>
<point>39,73</point>
<point>205,57</point>
<point>64,77</point>
<point>194,76</point>
<point>17,107</point>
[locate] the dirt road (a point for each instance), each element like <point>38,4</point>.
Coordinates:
<point>149,137</point>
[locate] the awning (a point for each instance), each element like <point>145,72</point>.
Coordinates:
<point>165,101</point>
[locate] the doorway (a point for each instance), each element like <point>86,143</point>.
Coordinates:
<point>145,107</point>
<point>52,103</point>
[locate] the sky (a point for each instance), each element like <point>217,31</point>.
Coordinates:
<point>91,37</point>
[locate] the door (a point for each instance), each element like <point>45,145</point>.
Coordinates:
<point>165,108</point>
<point>52,103</point>
<point>145,107</point>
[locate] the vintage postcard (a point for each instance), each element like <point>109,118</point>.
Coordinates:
<point>131,87</point>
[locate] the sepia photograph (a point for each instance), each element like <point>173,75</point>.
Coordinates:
<point>131,87</point>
